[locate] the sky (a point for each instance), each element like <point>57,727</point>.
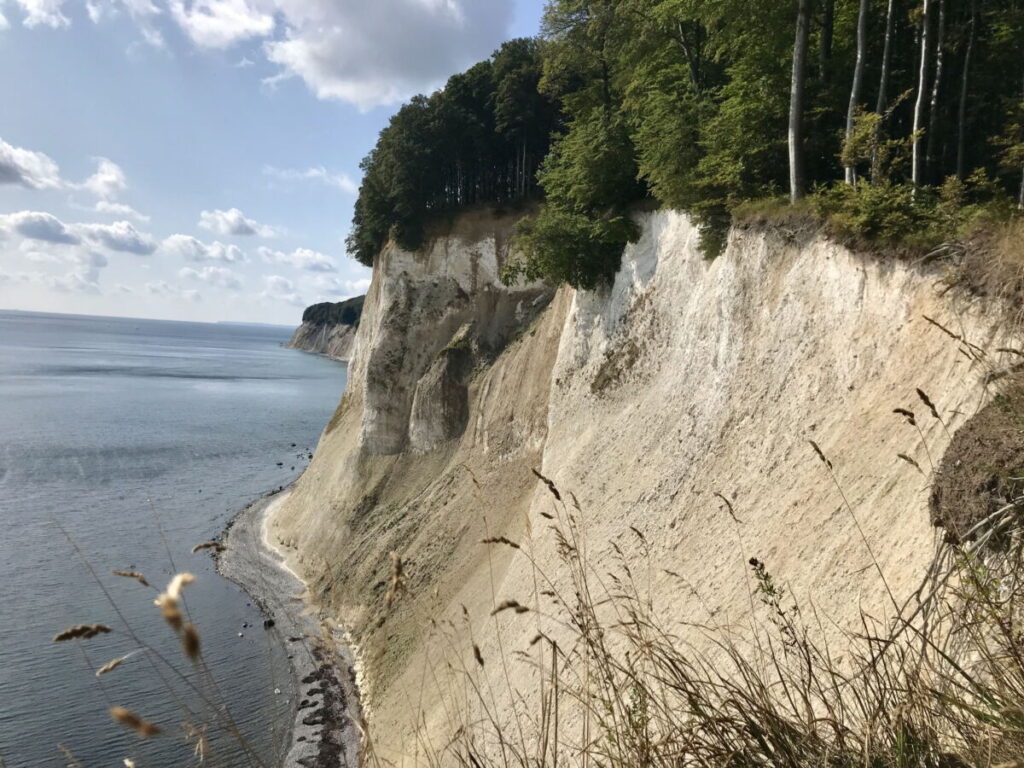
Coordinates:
<point>199,159</point>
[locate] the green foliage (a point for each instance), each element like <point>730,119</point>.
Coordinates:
<point>897,214</point>
<point>686,103</point>
<point>882,213</point>
<point>591,167</point>
<point>479,140</point>
<point>345,312</point>
<point>560,246</point>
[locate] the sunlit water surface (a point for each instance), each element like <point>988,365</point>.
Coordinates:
<point>141,438</point>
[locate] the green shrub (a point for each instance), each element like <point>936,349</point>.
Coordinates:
<point>887,213</point>
<point>569,247</point>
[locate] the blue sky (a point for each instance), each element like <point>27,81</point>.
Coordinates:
<point>198,159</point>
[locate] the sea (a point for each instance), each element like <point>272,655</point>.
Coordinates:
<point>123,444</point>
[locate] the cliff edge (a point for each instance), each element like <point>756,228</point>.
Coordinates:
<point>329,328</point>
<point>677,404</point>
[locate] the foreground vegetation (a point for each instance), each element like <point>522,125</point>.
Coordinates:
<point>940,684</point>
<point>903,120</point>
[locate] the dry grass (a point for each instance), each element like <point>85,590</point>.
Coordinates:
<point>938,685</point>
<point>203,708</point>
<point>992,265</point>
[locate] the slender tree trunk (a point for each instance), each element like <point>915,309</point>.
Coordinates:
<point>919,105</point>
<point>858,81</point>
<point>883,81</point>
<point>961,120</point>
<point>692,55</point>
<point>881,104</point>
<point>828,22</point>
<point>797,180</point>
<point>933,115</point>
<point>1020,196</point>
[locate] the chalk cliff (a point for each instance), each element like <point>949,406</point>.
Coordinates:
<point>687,382</point>
<point>329,329</point>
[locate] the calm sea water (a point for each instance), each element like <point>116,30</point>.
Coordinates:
<point>141,438</point>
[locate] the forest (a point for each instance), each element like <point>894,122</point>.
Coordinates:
<point>345,312</point>
<point>893,121</point>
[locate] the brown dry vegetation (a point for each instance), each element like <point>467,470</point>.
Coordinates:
<point>938,685</point>
<point>983,468</point>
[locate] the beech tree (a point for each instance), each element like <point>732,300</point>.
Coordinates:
<point>917,160</point>
<point>858,79</point>
<point>961,122</point>
<point>797,180</point>
<point>702,105</point>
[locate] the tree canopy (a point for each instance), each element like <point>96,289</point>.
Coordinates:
<point>345,312</point>
<point>869,105</point>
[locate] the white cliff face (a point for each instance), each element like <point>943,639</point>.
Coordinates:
<point>416,305</point>
<point>686,379</point>
<point>334,341</point>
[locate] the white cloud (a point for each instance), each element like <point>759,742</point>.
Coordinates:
<point>319,174</point>
<point>47,13</point>
<point>279,288</point>
<point>233,222</point>
<point>120,209</point>
<point>164,289</point>
<point>36,170</point>
<point>221,23</point>
<point>3,25</point>
<point>73,282</point>
<point>365,53</point>
<point>222,277</point>
<point>141,10</point>
<point>83,278</point>
<point>382,52</point>
<point>334,288</point>
<point>27,168</point>
<point>192,249</point>
<point>39,225</point>
<point>108,182</point>
<point>300,258</point>
<point>46,228</point>
<point>120,236</point>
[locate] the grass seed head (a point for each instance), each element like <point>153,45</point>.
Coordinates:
<point>131,575</point>
<point>908,415</point>
<point>821,454</point>
<point>549,484</point>
<point>110,665</point>
<point>500,540</point>
<point>129,719</point>
<point>216,546</point>
<point>190,642</point>
<point>928,404</point>
<point>510,605</point>
<point>81,632</point>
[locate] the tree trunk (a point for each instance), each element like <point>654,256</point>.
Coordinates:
<point>1020,196</point>
<point>858,81</point>
<point>883,82</point>
<point>933,116</point>
<point>883,87</point>
<point>961,120</point>
<point>828,22</point>
<point>692,55</point>
<point>919,105</point>
<point>797,180</point>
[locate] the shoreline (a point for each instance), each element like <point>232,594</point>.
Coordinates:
<point>323,693</point>
<point>288,345</point>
